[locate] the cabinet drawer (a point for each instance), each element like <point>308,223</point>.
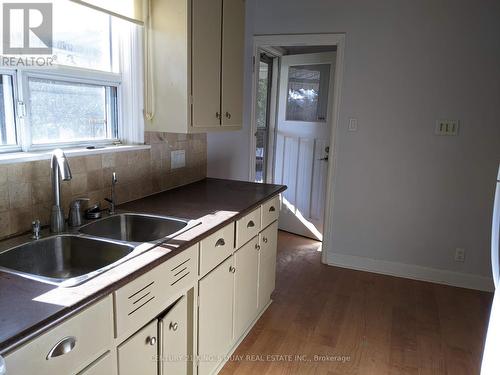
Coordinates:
<point>145,297</point>
<point>247,227</point>
<point>89,333</point>
<point>270,211</point>
<point>215,248</point>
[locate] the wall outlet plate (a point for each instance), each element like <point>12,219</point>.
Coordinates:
<point>177,159</point>
<point>353,125</point>
<point>459,255</point>
<point>447,127</point>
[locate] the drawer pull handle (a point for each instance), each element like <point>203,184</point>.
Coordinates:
<point>232,269</point>
<point>250,224</point>
<point>62,347</point>
<point>264,239</point>
<point>173,326</point>
<point>151,340</point>
<point>257,247</point>
<point>272,209</point>
<point>220,242</point>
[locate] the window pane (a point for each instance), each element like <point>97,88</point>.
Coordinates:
<point>71,112</point>
<point>7,118</point>
<point>80,42</point>
<point>308,93</point>
<point>261,121</point>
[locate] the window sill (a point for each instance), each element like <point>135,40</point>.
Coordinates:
<point>21,157</point>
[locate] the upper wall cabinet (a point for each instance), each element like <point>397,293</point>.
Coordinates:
<point>197,49</point>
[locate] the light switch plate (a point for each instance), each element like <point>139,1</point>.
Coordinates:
<point>177,159</point>
<point>447,127</point>
<point>353,125</point>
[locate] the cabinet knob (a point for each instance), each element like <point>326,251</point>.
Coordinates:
<point>232,269</point>
<point>173,326</point>
<point>257,247</point>
<point>151,340</point>
<point>264,239</point>
<point>250,224</point>
<point>217,115</point>
<point>220,242</point>
<point>228,115</point>
<point>272,209</point>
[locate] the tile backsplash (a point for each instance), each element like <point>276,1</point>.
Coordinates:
<point>26,191</point>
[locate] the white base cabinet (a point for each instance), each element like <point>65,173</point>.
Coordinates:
<point>268,241</point>
<point>246,264</point>
<point>138,354</point>
<point>215,316</point>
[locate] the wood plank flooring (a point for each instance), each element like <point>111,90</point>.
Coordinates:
<point>334,321</point>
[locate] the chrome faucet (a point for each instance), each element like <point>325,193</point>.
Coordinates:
<point>112,201</point>
<point>60,170</point>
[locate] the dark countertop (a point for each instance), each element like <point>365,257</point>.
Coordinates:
<point>29,308</point>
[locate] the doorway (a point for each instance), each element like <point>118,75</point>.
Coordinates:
<point>294,122</point>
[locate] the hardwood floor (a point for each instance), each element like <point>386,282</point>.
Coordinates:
<point>360,323</point>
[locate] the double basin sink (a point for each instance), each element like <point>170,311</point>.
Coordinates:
<point>70,259</point>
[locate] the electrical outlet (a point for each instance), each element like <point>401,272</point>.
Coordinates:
<point>447,127</point>
<point>459,255</point>
<point>177,159</point>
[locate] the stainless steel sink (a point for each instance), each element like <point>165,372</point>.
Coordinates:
<point>64,259</point>
<point>134,227</point>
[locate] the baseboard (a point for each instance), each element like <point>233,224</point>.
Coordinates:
<point>408,271</point>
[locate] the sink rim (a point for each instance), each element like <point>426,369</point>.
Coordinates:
<point>138,247</point>
<point>72,281</point>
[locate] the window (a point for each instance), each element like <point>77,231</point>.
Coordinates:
<point>77,102</point>
<point>308,93</point>
<point>262,117</point>
<point>8,135</point>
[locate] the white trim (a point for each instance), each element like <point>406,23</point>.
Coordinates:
<point>410,271</point>
<point>336,39</point>
<point>22,157</point>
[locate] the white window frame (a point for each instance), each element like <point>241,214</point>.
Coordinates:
<point>129,90</point>
<point>16,147</point>
<point>64,74</point>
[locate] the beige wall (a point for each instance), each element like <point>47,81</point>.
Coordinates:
<point>25,188</point>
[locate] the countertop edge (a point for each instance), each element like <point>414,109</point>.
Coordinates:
<point>15,342</point>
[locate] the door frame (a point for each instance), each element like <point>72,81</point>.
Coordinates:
<point>329,39</point>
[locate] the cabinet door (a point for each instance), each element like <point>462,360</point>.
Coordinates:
<point>246,263</point>
<point>233,42</point>
<point>206,62</point>
<point>138,354</point>
<point>215,316</point>
<point>268,240</point>
<point>174,332</point>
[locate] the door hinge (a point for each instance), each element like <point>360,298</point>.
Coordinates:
<point>21,109</point>
<point>198,301</point>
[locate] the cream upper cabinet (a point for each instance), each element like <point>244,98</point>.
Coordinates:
<point>197,52</point>
<point>233,36</point>
<point>206,63</point>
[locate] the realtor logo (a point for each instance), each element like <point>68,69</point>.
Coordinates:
<point>27,28</point>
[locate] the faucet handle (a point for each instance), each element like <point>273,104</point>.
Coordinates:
<point>36,227</point>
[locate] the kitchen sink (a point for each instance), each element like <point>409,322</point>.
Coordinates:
<point>134,227</point>
<point>64,259</point>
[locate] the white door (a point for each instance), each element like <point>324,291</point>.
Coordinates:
<point>302,140</point>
